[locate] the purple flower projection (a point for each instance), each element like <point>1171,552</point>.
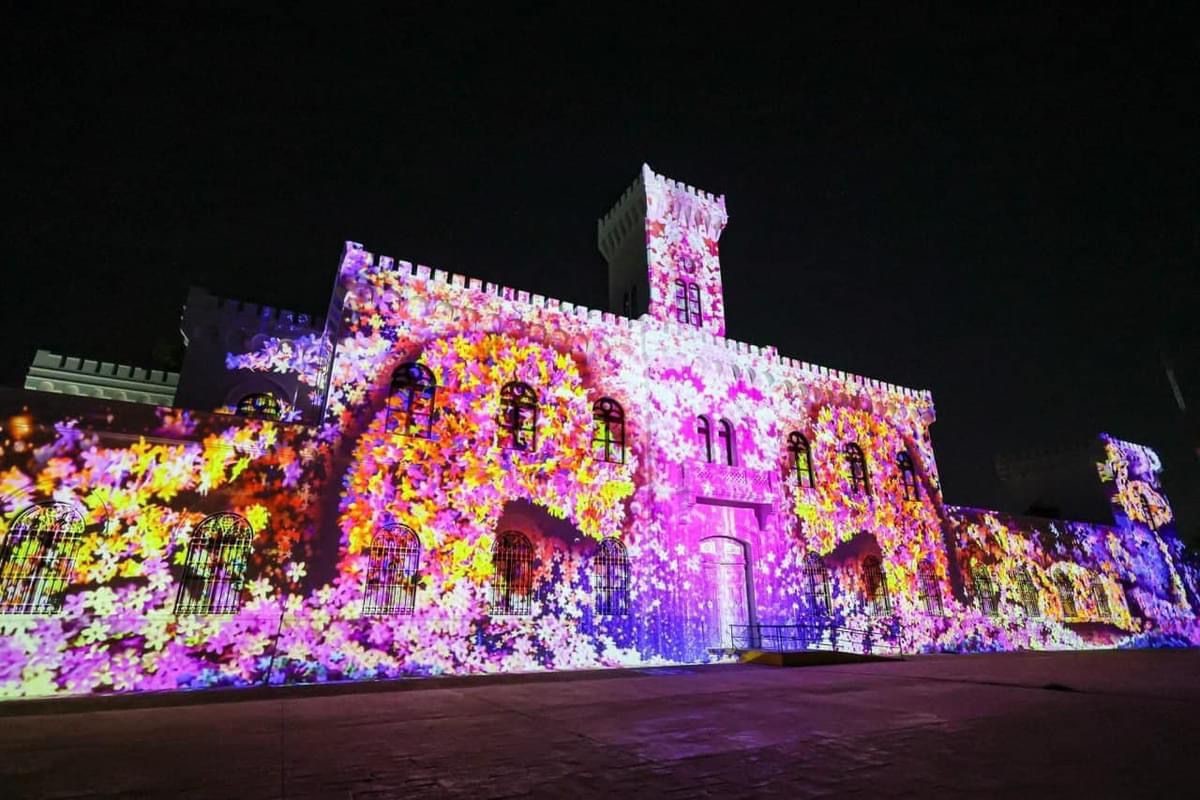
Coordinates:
<point>645,500</point>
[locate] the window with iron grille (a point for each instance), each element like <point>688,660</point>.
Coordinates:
<point>610,578</point>
<point>1027,593</point>
<point>725,434</point>
<point>411,400</point>
<point>214,570</point>
<point>860,481</point>
<point>818,597</point>
<point>36,558</point>
<point>392,562</point>
<point>1066,595</point>
<point>986,596</point>
<point>908,476</point>
<point>930,590</point>
<point>704,432</point>
<point>1100,593</point>
<point>512,581</point>
<point>879,603</point>
<point>800,455</point>
<point>260,404</point>
<point>608,431</point>
<point>518,416</point>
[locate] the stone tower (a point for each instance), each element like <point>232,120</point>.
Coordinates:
<point>660,242</point>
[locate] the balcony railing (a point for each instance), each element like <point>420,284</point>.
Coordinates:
<point>815,636</point>
<point>722,483</point>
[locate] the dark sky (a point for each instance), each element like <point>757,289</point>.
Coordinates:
<point>1002,209</point>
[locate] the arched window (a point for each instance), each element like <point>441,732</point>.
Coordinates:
<point>817,595</point>
<point>392,561</point>
<point>512,583</point>
<point>929,589</point>
<point>411,400</point>
<point>610,578</point>
<point>1027,593</point>
<point>908,476</point>
<point>1100,593</point>
<point>518,416</point>
<point>214,571</point>
<point>879,603</point>
<point>608,431</point>
<point>1066,595</point>
<point>260,404</point>
<point>704,432</point>
<point>860,481</point>
<point>725,435</point>
<point>801,457</point>
<point>687,303</point>
<point>36,558</point>
<point>986,596</point>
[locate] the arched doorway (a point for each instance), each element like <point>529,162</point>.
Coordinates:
<point>726,589</point>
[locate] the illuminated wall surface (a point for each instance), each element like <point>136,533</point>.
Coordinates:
<point>474,480</point>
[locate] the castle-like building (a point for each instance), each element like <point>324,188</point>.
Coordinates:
<point>448,476</point>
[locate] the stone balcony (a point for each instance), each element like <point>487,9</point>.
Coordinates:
<point>719,484</point>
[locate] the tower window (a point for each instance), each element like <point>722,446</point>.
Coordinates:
<point>610,570</point>
<point>725,434</point>
<point>1066,594</point>
<point>1100,594</point>
<point>687,303</point>
<point>392,561</point>
<point>800,455</point>
<point>608,431</point>
<point>860,481</point>
<point>908,476</point>
<point>518,415</point>
<point>1027,593</point>
<point>260,404</point>
<point>37,556</point>
<point>512,583</point>
<point>411,402</point>
<point>704,433</point>
<point>214,570</point>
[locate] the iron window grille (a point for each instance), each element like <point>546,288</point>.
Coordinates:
<point>1027,593</point>
<point>860,481</point>
<point>704,431</point>
<point>411,400</point>
<point>725,434</point>
<point>608,432</point>
<point>392,562</point>
<point>512,583</point>
<point>260,404</point>
<point>818,596</point>
<point>800,454</point>
<point>1066,595</point>
<point>929,590</point>
<point>611,578</point>
<point>214,570</point>
<point>908,476</point>
<point>986,595</point>
<point>1101,596</point>
<point>518,415</point>
<point>37,556</point>
<point>879,603</point>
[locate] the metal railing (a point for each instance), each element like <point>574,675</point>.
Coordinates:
<point>817,635</point>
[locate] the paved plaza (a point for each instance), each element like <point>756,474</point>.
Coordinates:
<point>1100,724</point>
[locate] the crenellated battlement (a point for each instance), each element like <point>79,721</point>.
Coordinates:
<point>767,354</point>
<point>202,302</point>
<point>64,366</point>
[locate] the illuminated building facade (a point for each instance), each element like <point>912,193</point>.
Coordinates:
<point>446,476</point>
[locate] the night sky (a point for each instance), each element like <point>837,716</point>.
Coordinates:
<point>1004,210</point>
